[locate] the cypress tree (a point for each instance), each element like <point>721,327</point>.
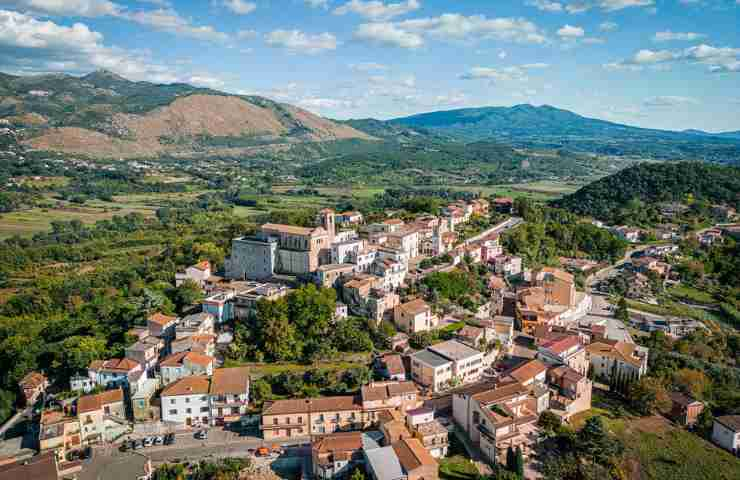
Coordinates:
<point>519,462</point>
<point>510,459</point>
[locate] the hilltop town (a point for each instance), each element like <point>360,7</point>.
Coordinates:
<point>478,360</point>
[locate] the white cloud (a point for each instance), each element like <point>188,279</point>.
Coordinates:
<point>608,26</point>
<point>545,5</point>
<point>502,54</point>
<point>569,31</point>
<point>517,73</point>
<point>322,104</point>
<point>669,101</point>
<point>297,41</point>
<point>246,34</point>
<point>718,59</point>
<point>206,81</point>
<point>169,20</point>
<point>409,81</point>
<point>452,26</point>
<point>388,34</point>
<point>318,3</point>
<point>377,10</point>
<point>614,5</point>
<point>240,7</point>
<point>29,45</point>
<point>668,36</point>
<point>76,8</point>
<point>593,40</point>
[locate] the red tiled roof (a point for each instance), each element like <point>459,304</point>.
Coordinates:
<point>203,266</point>
<point>91,403</point>
<point>161,319</point>
<point>561,345</point>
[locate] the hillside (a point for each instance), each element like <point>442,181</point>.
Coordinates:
<point>650,183</point>
<point>105,115</point>
<point>549,127</point>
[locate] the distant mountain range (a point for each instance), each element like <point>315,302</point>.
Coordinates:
<point>549,127</point>
<point>105,115</point>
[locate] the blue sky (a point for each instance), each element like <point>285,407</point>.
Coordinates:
<point>656,63</point>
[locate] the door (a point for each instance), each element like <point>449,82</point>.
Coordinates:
<point>188,422</point>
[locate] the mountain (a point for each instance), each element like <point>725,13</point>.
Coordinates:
<point>651,183</point>
<point>105,115</point>
<point>528,126</point>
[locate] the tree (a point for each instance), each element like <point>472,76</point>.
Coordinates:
<point>622,313</point>
<point>76,353</point>
<point>549,422</point>
<point>188,293</point>
<point>350,336</point>
<point>648,395</point>
<point>692,382</point>
<point>278,335</point>
<point>357,474</point>
<point>261,390</point>
<point>510,459</point>
<point>312,309</point>
<point>519,462</point>
<point>595,443</point>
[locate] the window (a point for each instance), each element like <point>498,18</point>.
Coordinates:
<point>274,421</point>
<point>187,399</point>
<point>203,409</point>
<point>173,412</point>
<point>476,418</point>
<point>188,410</point>
<point>172,401</point>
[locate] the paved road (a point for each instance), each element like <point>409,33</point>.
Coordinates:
<point>110,463</point>
<point>505,225</point>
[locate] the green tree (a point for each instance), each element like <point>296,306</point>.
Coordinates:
<point>648,395</point>
<point>622,313</point>
<point>519,462</point>
<point>75,354</point>
<point>549,422</point>
<point>261,390</point>
<point>188,293</point>
<point>358,474</point>
<point>510,459</point>
<point>595,443</point>
<point>278,334</point>
<point>311,309</point>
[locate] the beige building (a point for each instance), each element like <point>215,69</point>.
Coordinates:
<point>229,394</point>
<point>415,316</point>
<point>446,365</point>
<point>608,358</point>
<point>415,461</point>
<point>570,391</point>
<point>32,386</point>
<point>391,395</point>
<point>336,455</point>
<point>185,364</point>
<point>284,419</point>
<point>566,350</point>
<point>59,431</point>
<point>102,416</point>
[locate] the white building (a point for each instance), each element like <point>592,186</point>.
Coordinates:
<point>185,364</point>
<point>198,274</point>
<point>347,251</point>
<point>414,316</point>
<point>186,402</point>
<point>446,364</point>
<point>229,394</point>
<point>726,432</point>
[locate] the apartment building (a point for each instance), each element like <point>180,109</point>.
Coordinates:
<point>146,351</point>
<point>566,350</point>
<point>610,359</point>
<point>570,391</point>
<point>204,344</point>
<point>329,276</point>
<point>186,402</point>
<point>102,416</point>
<point>162,326</point>
<point>428,430</point>
<point>382,396</point>
<point>415,316</point>
<point>446,364</point>
<point>559,286</point>
<point>196,324</point>
<point>285,419</point>
<point>59,431</point>
<point>229,394</point>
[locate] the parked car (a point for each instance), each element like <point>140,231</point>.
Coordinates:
<point>148,441</point>
<point>158,440</point>
<point>169,439</point>
<point>263,452</point>
<point>124,447</point>
<point>87,454</point>
<point>137,444</point>
<point>201,434</point>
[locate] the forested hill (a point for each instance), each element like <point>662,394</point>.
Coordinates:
<point>529,126</point>
<point>650,183</point>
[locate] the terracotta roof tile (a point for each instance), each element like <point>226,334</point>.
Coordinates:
<point>194,385</point>
<point>91,403</point>
<point>303,405</point>
<point>230,381</point>
<point>412,454</point>
<point>527,371</point>
<point>161,319</point>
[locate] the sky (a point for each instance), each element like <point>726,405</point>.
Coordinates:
<point>670,64</point>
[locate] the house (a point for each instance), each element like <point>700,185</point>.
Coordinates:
<point>491,248</point>
<point>102,416</point>
<point>390,395</point>
<point>726,432</point>
<point>416,462</point>
<point>474,337</point>
<point>577,264</point>
<point>32,386</point>
<point>162,326</point>
<point>337,454</point>
<point>684,409</point>
<point>195,324</point>
<point>503,205</point>
<point>391,366</point>
<point>341,311</point>
<point>507,265</point>
<point>185,364</point>
<point>392,272</point>
<point>220,305</point>
<point>144,404</point>
<point>405,239</point>
<point>414,316</point>
<point>429,431</point>
<point>567,350</point>
<point>529,374</point>
<point>629,234</point>
<point>570,391</point>
<point>352,217</point>
<point>81,383</point>
<point>347,251</point>
<point>446,364</point>
<point>204,344</point>
<point>250,294</point>
<point>710,237</point>
<point>229,395</point>
<point>40,467</point>
<point>116,372</point>
<point>198,274</point>
<point>559,285</point>
<point>59,431</point>
<point>146,351</point>
<point>186,402</point>
<point>491,415</point>
<point>609,359</point>
<point>285,419</point>
<point>328,276</point>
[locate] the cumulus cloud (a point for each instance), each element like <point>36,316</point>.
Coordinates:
<point>297,41</point>
<point>75,8</point>
<point>608,26</point>
<point>239,7</point>
<point>613,5</point>
<point>246,34</point>
<point>717,59</point>
<point>377,10</point>
<point>580,6</point>
<point>30,45</point>
<point>388,34</point>
<point>322,103</point>
<point>168,20</point>
<point>668,36</point>
<point>545,5</point>
<point>569,31</point>
<point>206,81</point>
<point>669,101</point>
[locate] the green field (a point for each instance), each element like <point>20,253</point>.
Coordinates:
<point>691,294</point>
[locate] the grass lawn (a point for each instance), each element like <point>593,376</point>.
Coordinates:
<point>691,294</point>
<point>261,369</point>
<point>457,467</point>
<point>658,450</point>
